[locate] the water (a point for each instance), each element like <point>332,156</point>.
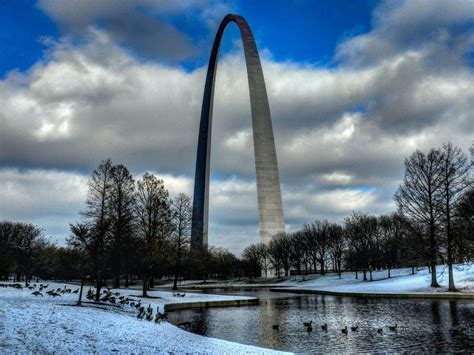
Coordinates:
<point>423,325</point>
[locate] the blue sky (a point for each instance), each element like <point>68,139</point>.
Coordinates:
<point>354,88</point>
<point>305,31</point>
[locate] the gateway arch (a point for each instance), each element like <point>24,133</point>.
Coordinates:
<point>270,207</point>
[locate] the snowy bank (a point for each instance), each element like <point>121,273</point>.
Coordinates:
<point>402,282</point>
<point>47,324</point>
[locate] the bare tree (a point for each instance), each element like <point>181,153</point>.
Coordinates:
<point>317,242</point>
<point>455,173</point>
<point>337,244</point>
<point>122,218</point>
<point>420,198</point>
<point>93,235</point>
<point>279,253</point>
<point>251,255</point>
<point>392,232</point>
<point>154,221</point>
<point>361,230</point>
<point>464,226</point>
<point>181,219</point>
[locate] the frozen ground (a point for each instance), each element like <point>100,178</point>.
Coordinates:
<point>47,325</point>
<point>402,281</point>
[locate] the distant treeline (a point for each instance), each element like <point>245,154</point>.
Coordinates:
<point>132,230</point>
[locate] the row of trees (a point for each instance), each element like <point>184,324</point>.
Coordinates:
<point>133,229</point>
<point>433,224</point>
<point>128,229</point>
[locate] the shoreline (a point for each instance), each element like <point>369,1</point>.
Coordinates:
<point>404,295</point>
<point>207,304</point>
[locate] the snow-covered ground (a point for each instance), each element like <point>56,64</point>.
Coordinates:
<point>402,281</point>
<point>47,324</point>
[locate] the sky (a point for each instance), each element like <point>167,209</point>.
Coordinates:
<point>354,88</point>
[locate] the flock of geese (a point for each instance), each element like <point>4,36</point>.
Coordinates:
<point>324,327</point>
<point>38,290</point>
<point>108,296</point>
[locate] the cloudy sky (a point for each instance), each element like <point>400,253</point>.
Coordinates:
<point>354,88</point>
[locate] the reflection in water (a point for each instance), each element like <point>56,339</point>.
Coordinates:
<point>423,325</point>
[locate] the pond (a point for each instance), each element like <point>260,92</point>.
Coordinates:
<point>422,325</point>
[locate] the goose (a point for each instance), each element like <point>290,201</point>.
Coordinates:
<point>56,294</point>
<point>104,299</point>
<point>141,313</point>
<point>344,330</point>
<point>138,305</point>
<point>308,324</point>
<point>185,325</point>
<point>324,327</point>
<point>149,309</point>
<point>149,316</point>
<point>380,330</point>
<point>393,328</point>
<point>276,326</point>
<point>355,328</point>
<point>309,329</point>
<point>76,291</point>
<point>37,293</point>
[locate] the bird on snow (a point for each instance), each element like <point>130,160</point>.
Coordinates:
<point>37,293</point>
<point>324,327</point>
<point>355,328</point>
<point>141,313</point>
<point>344,330</point>
<point>393,328</point>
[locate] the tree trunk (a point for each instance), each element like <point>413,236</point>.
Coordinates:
<point>413,270</point>
<point>145,286</point>
<point>97,287</point>
<point>357,275</point>
<point>451,287</point>
<point>116,283</point>
<point>370,272</point>
<point>79,301</point>
<point>365,275</point>
<point>176,275</point>
<point>434,282</point>
<point>388,272</point>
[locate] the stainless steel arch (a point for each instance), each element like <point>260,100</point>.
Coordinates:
<point>270,207</point>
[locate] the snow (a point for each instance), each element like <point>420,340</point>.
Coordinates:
<point>402,281</point>
<point>47,324</point>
